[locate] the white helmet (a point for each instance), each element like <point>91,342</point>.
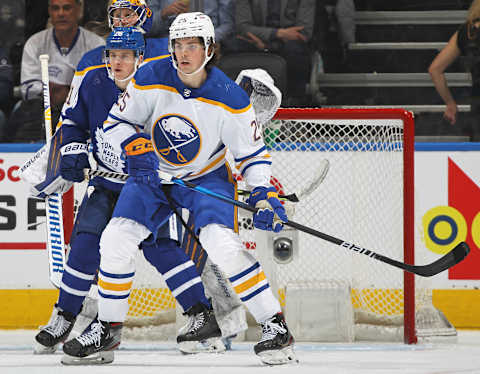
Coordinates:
<point>191,25</point>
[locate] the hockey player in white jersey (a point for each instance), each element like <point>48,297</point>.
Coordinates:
<point>180,116</point>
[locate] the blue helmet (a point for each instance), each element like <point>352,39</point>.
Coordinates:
<point>144,13</point>
<point>126,38</point>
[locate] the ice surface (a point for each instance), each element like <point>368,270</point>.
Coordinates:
<point>161,357</point>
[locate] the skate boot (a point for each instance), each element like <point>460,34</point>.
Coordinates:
<point>95,346</point>
<point>276,345</point>
<point>201,333</point>
<point>55,332</point>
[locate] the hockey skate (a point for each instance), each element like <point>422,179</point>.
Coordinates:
<point>201,333</point>
<point>55,332</point>
<point>95,346</point>
<point>276,345</point>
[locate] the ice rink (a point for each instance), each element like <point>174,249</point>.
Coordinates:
<point>161,357</point>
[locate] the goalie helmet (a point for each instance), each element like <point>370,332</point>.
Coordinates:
<point>125,38</point>
<point>144,13</point>
<point>264,95</point>
<point>192,25</point>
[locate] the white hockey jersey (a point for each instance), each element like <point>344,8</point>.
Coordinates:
<point>191,128</point>
<point>62,62</point>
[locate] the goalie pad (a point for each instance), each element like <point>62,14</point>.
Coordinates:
<point>227,306</point>
<point>265,97</point>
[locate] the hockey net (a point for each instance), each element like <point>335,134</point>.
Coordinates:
<point>367,198</point>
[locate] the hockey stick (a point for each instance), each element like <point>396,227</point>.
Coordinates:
<point>318,177</point>
<point>452,258</point>
<point>53,202</point>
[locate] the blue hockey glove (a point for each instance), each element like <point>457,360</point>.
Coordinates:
<point>142,162</point>
<point>73,159</point>
<point>271,212</point>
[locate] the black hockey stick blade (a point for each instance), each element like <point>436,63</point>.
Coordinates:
<point>455,256</point>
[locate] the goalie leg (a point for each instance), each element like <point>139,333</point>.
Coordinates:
<point>227,307</point>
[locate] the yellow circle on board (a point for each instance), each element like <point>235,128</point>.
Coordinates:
<point>443,227</point>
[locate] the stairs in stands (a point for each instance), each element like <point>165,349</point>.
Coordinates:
<point>388,65</point>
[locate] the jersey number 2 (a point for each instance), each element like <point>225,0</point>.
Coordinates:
<point>257,131</point>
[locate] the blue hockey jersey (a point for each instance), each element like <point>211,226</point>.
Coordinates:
<point>91,97</point>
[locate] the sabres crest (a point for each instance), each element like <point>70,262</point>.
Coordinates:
<point>176,139</point>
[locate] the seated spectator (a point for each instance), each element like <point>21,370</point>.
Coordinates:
<point>65,43</point>
<point>281,27</point>
<point>221,12</point>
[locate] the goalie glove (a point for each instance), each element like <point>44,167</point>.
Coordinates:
<point>142,162</point>
<point>271,213</point>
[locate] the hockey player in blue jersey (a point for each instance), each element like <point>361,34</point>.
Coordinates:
<point>179,117</point>
<point>86,109</point>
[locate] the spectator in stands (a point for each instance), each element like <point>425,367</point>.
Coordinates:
<point>65,43</point>
<point>281,27</point>
<point>464,42</point>
<point>221,12</point>
<point>6,87</point>
<point>12,22</point>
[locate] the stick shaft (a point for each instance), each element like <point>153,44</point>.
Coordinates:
<point>450,259</point>
<point>54,209</point>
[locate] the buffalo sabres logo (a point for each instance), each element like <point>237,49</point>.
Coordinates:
<point>176,139</point>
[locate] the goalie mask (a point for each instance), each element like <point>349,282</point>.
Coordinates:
<point>264,95</point>
<point>124,38</point>
<point>144,13</point>
<point>192,25</point>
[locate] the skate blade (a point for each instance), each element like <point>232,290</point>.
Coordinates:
<point>39,349</point>
<point>212,345</point>
<point>279,357</point>
<point>99,358</point>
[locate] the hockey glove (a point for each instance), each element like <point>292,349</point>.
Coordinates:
<point>271,212</point>
<point>74,158</point>
<point>142,162</point>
